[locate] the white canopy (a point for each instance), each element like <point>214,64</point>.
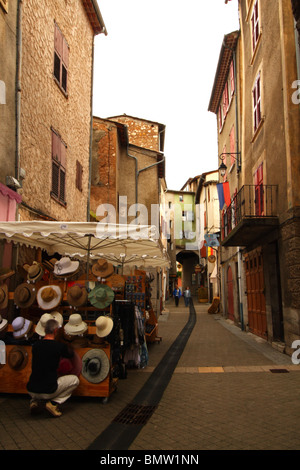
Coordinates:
<point>131,245</point>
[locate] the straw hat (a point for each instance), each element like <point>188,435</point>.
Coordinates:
<point>104,325</point>
<point>24,295</point>
<point>95,365</point>
<point>17,358</point>
<point>40,327</point>
<point>102,268</point>
<point>116,281</point>
<point>21,327</point>
<point>35,272</point>
<point>3,323</point>
<point>77,295</point>
<point>101,296</point>
<point>49,264</point>
<point>65,267</point>
<point>5,273</point>
<point>49,297</point>
<point>3,296</point>
<point>75,325</point>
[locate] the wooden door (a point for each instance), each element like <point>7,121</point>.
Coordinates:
<point>230,302</point>
<point>257,319</point>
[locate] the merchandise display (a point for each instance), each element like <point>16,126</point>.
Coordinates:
<point>104,316</point>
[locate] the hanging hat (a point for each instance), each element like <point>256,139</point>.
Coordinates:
<point>101,296</point>
<point>3,323</point>
<point>102,268</point>
<point>70,366</point>
<point>65,266</point>
<point>3,296</point>
<point>17,358</point>
<point>104,325</point>
<point>21,327</point>
<point>95,365</point>
<point>75,325</point>
<point>5,273</point>
<point>24,295</point>
<point>40,327</point>
<point>35,272</point>
<point>49,297</point>
<point>77,295</point>
<point>49,264</point>
<point>116,281</point>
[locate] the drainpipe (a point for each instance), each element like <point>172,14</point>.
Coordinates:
<point>91,137</point>
<point>18,87</point>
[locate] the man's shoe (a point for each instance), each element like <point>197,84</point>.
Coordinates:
<point>53,409</point>
<point>35,407</point>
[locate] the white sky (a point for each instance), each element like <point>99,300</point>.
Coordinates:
<point>158,62</point>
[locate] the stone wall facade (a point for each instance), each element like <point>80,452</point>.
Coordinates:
<point>45,107</point>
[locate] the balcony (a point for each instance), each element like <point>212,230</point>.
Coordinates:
<point>251,215</point>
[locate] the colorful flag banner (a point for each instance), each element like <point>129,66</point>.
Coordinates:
<point>224,194</point>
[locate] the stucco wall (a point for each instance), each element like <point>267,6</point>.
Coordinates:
<point>44,105</point>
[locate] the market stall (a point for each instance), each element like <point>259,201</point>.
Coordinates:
<point>78,278</point>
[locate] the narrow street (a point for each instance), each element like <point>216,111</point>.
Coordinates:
<point>229,390</point>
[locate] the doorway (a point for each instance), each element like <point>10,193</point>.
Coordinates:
<point>257,318</point>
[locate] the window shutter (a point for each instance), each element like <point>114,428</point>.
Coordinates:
<point>232,145</point>
<point>55,179</point>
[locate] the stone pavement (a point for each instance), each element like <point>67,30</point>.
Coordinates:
<point>224,394</point>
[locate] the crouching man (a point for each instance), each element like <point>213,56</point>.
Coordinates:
<point>44,385</point>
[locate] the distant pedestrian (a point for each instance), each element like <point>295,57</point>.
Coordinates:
<point>177,295</point>
<point>187,295</point>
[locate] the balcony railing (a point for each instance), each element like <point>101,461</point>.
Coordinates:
<point>251,202</point>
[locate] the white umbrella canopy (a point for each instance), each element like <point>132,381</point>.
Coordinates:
<point>130,245</point>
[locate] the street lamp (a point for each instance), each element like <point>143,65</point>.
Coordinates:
<point>235,155</point>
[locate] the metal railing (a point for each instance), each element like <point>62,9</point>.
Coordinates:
<point>257,201</point>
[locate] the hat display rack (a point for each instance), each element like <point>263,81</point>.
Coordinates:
<point>83,301</point>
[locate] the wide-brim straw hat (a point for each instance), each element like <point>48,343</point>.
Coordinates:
<point>116,281</point>
<point>3,323</point>
<point>95,365</point>
<point>49,264</point>
<point>5,273</point>
<point>104,326</point>
<point>49,297</point>
<point>3,296</point>
<point>17,358</point>
<point>24,295</point>
<point>75,325</point>
<point>35,272</point>
<point>101,296</point>
<point>102,268</point>
<point>77,296</point>
<point>40,327</point>
<point>22,327</point>
<point>65,267</point>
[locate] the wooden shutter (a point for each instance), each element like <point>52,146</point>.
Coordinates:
<point>79,171</point>
<point>257,103</point>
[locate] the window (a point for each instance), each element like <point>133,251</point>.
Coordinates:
<point>256,93</point>
<point>227,95</point>
<point>79,172</point>
<point>231,73</point>
<point>255,25</point>
<point>59,150</point>
<point>61,59</point>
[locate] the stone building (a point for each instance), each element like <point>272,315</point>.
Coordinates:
<point>127,176</point>
<point>56,108</point>
<point>261,219</point>
<point>127,158</point>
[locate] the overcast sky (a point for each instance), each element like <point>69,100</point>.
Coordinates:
<point>158,62</point>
